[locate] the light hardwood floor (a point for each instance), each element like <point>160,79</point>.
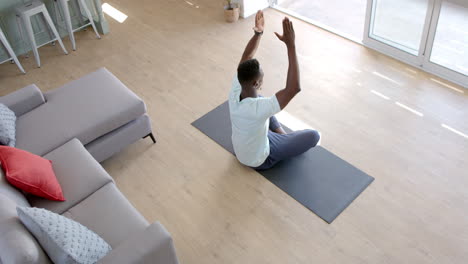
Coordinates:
<point>180,59</point>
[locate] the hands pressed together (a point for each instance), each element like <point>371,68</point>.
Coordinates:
<point>288,36</point>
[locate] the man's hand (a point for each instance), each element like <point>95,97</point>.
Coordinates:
<point>252,46</point>
<point>293,84</point>
<point>288,36</point>
<point>259,22</point>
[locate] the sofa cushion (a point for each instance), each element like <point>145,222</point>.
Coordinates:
<point>17,245</point>
<point>108,213</point>
<point>153,245</point>
<point>23,100</point>
<point>106,146</point>
<point>9,191</point>
<point>79,174</point>
<point>64,240</point>
<point>31,173</point>
<point>86,109</point>
<point>7,126</point>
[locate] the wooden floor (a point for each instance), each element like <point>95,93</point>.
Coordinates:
<point>180,59</point>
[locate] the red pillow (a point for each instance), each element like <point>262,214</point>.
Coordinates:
<point>30,173</point>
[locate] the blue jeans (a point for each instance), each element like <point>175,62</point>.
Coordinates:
<point>289,145</point>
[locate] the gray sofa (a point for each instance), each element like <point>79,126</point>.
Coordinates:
<point>91,130</point>
<point>98,109</point>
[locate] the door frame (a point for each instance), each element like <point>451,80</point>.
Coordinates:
<point>387,49</point>
<point>422,60</point>
<point>432,67</point>
<point>275,5</point>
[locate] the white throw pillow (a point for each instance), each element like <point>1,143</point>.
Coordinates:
<point>7,126</point>
<point>64,240</point>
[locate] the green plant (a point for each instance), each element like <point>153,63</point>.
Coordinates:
<point>230,4</point>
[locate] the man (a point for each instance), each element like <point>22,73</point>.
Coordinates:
<point>259,140</point>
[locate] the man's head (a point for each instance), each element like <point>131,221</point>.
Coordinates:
<point>250,75</point>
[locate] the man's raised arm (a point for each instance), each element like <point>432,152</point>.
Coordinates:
<point>293,85</point>
<point>252,46</point>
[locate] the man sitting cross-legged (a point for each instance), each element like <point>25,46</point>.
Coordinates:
<point>259,140</point>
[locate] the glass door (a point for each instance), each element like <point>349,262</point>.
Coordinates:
<point>429,34</point>
<point>398,27</point>
<point>447,47</point>
<point>343,17</point>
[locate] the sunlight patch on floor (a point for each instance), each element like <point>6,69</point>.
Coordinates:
<point>292,122</point>
<point>411,70</point>
<point>295,124</point>
<point>380,94</point>
<point>114,13</point>
<point>386,78</point>
<point>402,72</point>
<point>447,85</point>
<point>455,131</point>
<point>409,109</point>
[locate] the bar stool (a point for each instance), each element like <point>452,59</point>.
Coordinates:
<point>10,51</point>
<point>24,14</point>
<point>77,5</point>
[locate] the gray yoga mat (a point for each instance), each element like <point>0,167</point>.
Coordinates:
<point>318,179</point>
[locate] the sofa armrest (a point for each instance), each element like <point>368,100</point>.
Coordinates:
<point>153,245</point>
<point>23,100</point>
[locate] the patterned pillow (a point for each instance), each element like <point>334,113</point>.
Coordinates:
<point>64,240</point>
<point>7,126</point>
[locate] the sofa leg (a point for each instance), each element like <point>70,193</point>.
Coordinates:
<point>151,136</point>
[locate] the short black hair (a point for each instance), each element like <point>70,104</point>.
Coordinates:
<point>248,70</point>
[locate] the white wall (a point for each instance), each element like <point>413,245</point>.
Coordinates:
<point>250,7</point>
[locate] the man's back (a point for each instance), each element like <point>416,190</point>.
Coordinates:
<point>249,119</point>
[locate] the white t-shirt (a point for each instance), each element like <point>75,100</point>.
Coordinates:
<point>250,124</point>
